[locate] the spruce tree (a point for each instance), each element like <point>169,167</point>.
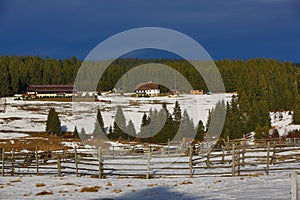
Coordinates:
<point>83,134</point>
<point>130,131</point>
<point>99,129</point>
<point>296,115</point>
<point>119,126</point>
<point>145,130</point>
<point>53,125</point>
<point>200,132</point>
<point>75,133</point>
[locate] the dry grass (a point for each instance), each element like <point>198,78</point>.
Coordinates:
<point>151,185</point>
<point>90,189</point>
<point>68,183</point>
<point>42,140</point>
<point>109,184</point>
<point>186,182</point>
<point>15,181</point>
<point>63,191</point>
<point>44,192</point>
<point>117,191</point>
<point>29,108</point>
<point>40,185</point>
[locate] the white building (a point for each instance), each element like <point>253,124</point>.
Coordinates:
<point>147,89</point>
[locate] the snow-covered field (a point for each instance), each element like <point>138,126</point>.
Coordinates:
<point>30,116</point>
<point>276,186</point>
<point>282,121</point>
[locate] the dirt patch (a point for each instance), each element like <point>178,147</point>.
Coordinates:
<point>29,108</point>
<point>70,184</point>
<point>151,185</point>
<point>42,140</point>
<point>117,191</point>
<point>7,119</point>
<point>109,184</point>
<point>15,181</point>
<point>44,193</point>
<point>90,189</point>
<point>40,185</point>
<point>186,182</point>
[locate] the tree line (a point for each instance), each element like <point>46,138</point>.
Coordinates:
<point>274,83</point>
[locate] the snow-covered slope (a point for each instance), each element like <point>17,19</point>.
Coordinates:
<point>261,187</point>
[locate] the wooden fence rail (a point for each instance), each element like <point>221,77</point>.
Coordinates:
<point>235,158</point>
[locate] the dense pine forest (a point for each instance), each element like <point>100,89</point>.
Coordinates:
<point>262,85</point>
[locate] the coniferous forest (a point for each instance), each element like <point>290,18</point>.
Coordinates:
<point>262,85</point>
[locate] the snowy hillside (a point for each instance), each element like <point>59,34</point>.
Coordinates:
<point>218,188</point>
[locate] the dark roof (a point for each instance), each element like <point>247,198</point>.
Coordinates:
<point>147,86</point>
<point>51,88</point>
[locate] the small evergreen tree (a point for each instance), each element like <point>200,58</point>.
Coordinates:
<point>130,131</point>
<point>200,132</point>
<point>99,129</point>
<point>296,115</point>
<point>144,129</point>
<point>119,126</point>
<point>53,125</point>
<point>75,133</point>
<point>83,134</point>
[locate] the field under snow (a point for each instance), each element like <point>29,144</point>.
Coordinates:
<point>30,116</point>
<point>22,117</point>
<point>49,187</point>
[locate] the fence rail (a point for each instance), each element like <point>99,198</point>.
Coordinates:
<point>235,158</point>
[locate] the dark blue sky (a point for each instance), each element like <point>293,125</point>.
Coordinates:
<point>225,28</point>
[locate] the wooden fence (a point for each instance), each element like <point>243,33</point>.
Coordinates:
<point>234,159</point>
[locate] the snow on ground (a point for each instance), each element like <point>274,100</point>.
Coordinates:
<point>275,186</point>
<point>12,135</point>
<point>28,116</point>
<point>282,121</point>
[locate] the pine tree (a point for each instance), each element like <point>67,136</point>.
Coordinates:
<point>5,89</point>
<point>99,130</point>
<point>296,115</point>
<point>53,125</point>
<point>200,132</point>
<point>145,129</point>
<point>177,114</point>
<point>75,133</point>
<point>83,135</point>
<point>130,131</point>
<point>119,126</point>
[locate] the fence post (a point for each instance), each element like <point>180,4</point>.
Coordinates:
<point>207,161</point>
<point>294,185</point>
<point>243,150</point>
<point>233,159</point>
<point>191,161</point>
<point>100,163</point>
<point>168,147</point>
<point>223,156</point>
<point>268,158</point>
<point>3,159</point>
<point>58,167</point>
<point>13,162</point>
<point>148,165</point>
<point>239,160</point>
<point>37,160</point>
<point>76,162</point>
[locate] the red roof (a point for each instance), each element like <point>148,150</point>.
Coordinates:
<point>147,86</point>
<point>51,88</point>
